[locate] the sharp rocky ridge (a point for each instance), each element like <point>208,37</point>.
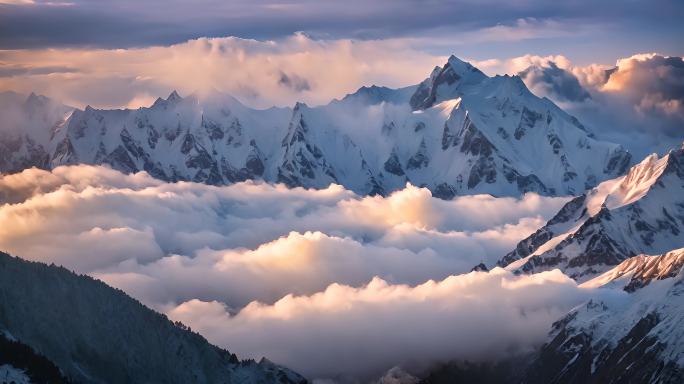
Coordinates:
<point>631,338</point>
<point>457,132</point>
<point>641,212</point>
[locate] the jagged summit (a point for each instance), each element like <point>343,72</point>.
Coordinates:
<point>461,67</point>
<point>174,97</point>
<point>446,83</point>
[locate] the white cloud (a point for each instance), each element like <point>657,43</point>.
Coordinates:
<point>260,73</point>
<point>362,332</point>
<point>167,243</point>
<point>269,271</point>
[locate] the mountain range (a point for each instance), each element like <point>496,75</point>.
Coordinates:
<point>457,132</point>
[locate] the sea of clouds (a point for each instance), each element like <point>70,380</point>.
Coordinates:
<point>329,283</point>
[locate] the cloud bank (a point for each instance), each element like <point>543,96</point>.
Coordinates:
<point>168,243</point>
<point>362,332</point>
<point>334,285</point>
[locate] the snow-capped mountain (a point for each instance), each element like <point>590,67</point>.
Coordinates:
<point>458,132</point>
<point>50,317</point>
<point>641,212</point>
<point>633,338</point>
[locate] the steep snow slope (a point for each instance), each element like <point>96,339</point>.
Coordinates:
<point>458,132</point>
<point>641,212</point>
<point>633,338</point>
<point>97,334</point>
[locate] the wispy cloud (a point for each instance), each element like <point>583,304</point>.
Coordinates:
<point>261,73</point>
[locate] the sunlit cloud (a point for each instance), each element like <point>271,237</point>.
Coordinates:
<point>261,268</point>
<point>260,73</point>
<point>17,2</point>
<point>167,243</point>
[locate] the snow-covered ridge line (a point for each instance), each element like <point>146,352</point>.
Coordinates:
<point>458,132</point>
<point>639,213</point>
<point>638,271</point>
<point>632,336</point>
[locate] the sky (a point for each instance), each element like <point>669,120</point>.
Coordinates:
<point>586,30</point>
<point>259,268</point>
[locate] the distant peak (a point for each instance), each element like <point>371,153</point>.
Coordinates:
<point>173,99</point>
<point>174,96</point>
<point>371,88</point>
<point>36,99</point>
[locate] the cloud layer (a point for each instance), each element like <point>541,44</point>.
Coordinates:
<point>329,283</point>
<point>362,332</point>
<point>41,23</point>
<point>168,243</point>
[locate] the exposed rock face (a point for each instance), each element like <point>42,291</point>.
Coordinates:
<point>634,340</point>
<point>443,81</point>
<point>641,212</point>
<point>97,334</point>
<point>458,132</point>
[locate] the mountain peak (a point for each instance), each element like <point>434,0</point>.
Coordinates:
<point>637,213</point>
<point>446,83</point>
<point>646,174</point>
<point>34,99</point>
<point>299,106</point>
<point>460,66</point>
<point>374,94</point>
<point>174,97</point>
